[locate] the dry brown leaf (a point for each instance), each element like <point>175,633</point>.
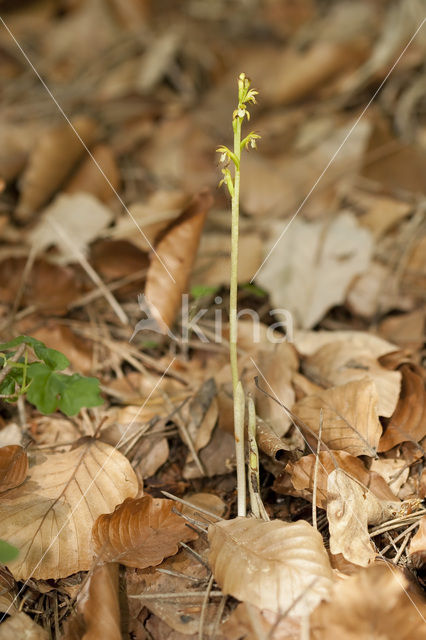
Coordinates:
<point>49,518</point>
<point>404,330</point>
<point>408,423</point>
<point>298,74</point>
<point>114,259</point>
<point>274,187</point>
<point>377,602</point>
<point>19,625</point>
<point>417,548</point>
<point>208,501</point>
<point>213,263</point>
<point>51,160</point>
<point>49,287</point>
<point>8,601</point>
<point>140,532</point>
<point>414,277</point>
<point>302,474</point>
<point>98,609</point>
<point>393,470</point>
<point>278,368</point>
<point>13,467</point>
<point>177,250</point>
<point>152,217</point>
<point>183,616</point>
<point>351,507</point>
<point>340,362</point>
<point>89,179</point>
<point>217,458</point>
<point>246,620</point>
<point>373,292</point>
<point>308,342</point>
<point>270,564</point>
<point>314,264</point>
<point>62,338</point>
<point>381,213</point>
<point>350,421</point>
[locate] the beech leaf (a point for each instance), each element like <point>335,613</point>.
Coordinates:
<point>141,532</point>
<point>176,249</point>
<point>49,517</point>
<point>351,507</point>
<point>98,609</point>
<point>270,564</point>
<point>350,421</point>
<point>13,467</point>
<point>377,602</point>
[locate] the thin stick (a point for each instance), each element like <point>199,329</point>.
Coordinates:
<point>192,506</point>
<point>204,608</point>
<point>178,596</point>
<point>314,495</point>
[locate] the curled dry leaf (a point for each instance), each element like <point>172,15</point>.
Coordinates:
<point>303,471</point>
<point>176,250</point>
<point>98,609</point>
<point>90,179</point>
<point>408,423</point>
<point>270,564</point>
<point>13,467</point>
<point>351,507</point>
<point>340,362</point>
<point>49,517</point>
<point>350,421</point>
<point>377,602</point>
<point>140,532</point>
<point>51,160</point>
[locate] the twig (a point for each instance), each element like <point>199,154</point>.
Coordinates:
<point>192,506</point>
<point>177,596</point>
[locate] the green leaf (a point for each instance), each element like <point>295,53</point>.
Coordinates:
<point>55,360</point>
<point>50,390</point>
<point>45,388</point>
<point>79,392</point>
<point>32,342</point>
<point>201,290</point>
<point>252,288</point>
<point>7,552</point>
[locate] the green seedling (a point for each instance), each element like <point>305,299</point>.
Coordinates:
<point>41,381</point>
<point>232,160</point>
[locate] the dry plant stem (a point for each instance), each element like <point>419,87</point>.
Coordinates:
<point>253,479</point>
<point>239,410</point>
<point>314,494</point>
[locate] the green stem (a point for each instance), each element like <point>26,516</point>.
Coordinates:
<point>233,325</point>
<point>233,328</point>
